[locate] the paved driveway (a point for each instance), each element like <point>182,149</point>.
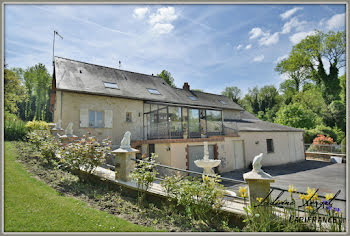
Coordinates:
<point>327,177</point>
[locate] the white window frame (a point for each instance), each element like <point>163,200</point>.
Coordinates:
<point>95,125</point>
<point>110,85</point>
<point>153,91</point>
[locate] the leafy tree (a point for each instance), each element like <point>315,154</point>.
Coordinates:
<point>335,115</point>
<point>342,80</point>
<point>233,93</point>
<point>251,100</point>
<point>296,115</point>
<point>312,100</point>
<point>167,77</point>
<point>38,84</point>
<point>14,91</point>
<point>297,69</point>
<point>311,52</point>
<point>198,90</point>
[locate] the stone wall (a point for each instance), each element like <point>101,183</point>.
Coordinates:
<point>74,102</point>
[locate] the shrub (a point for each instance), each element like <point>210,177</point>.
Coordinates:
<point>45,143</point>
<point>200,199</point>
<point>343,145</point>
<point>86,153</point>
<point>144,174</point>
<point>37,125</point>
<point>14,128</point>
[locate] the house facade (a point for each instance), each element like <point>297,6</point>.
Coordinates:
<point>170,122</point>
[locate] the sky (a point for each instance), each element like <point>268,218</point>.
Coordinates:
<point>208,46</point>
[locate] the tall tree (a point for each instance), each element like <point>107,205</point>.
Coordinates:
<point>167,77</point>
<point>14,91</point>
<point>308,57</point>
<point>233,93</point>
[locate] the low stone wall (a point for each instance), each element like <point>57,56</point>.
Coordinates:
<point>323,156</point>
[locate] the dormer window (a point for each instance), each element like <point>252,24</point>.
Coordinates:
<point>110,85</point>
<point>192,98</point>
<point>153,91</point>
<point>223,102</point>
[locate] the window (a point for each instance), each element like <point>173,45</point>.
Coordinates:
<point>153,91</point>
<point>269,144</point>
<point>128,117</point>
<point>223,102</point>
<point>95,119</point>
<point>193,98</point>
<point>110,85</point>
<point>214,121</point>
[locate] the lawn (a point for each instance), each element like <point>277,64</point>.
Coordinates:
<point>32,206</point>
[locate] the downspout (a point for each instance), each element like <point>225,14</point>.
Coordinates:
<point>61,105</point>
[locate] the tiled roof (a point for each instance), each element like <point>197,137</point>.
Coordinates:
<point>83,77</point>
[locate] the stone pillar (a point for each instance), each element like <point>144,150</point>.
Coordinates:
<point>258,184</point>
<point>123,163</point>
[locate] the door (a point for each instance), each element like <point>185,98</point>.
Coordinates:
<point>238,154</point>
<point>196,153</point>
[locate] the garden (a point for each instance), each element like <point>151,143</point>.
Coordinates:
<point>191,204</point>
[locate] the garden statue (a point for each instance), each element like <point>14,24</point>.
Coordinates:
<point>125,143</point>
<point>69,129</point>
<point>258,181</point>
<point>207,164</point>
<point>59,124</point>
<point>257,163</point>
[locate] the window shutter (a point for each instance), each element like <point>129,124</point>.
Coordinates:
<point>108,119</point>
<point>84,118</point>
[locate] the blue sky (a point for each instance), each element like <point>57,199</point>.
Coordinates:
<point>209,46</point>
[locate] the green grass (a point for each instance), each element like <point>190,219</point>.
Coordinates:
<point>32,206</point>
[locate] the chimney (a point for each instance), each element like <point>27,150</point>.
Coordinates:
<point>186,86</point>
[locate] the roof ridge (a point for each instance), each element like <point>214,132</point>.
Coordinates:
<point>107,67</point>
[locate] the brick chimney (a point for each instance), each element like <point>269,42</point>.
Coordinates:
<point>186,86</point>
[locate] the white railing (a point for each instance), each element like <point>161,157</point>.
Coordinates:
<point>324,148</point>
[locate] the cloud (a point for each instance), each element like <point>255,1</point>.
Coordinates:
<point>336,21</point>
<point>255,33</point>
<point>249,46</point>
<point>162,28</point>
<point>296,38</point>
<point>269,39</point>
<point>140,13</point>
<point>293,23</point>
<point>265,37</point>
<point>239,46</point>
<point>161,21</point>
<point>163,15</point>
<point>258,58</point>
<point>290,12</point>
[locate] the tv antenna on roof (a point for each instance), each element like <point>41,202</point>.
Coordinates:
<point>53,46</point>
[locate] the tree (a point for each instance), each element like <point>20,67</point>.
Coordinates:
<point>305,61</point>
<point>167,77</point>
<point>14,91</point>
<point>342,80</point>
<point>233,93</point>
<point>297,116</point>
<point>37,82</point>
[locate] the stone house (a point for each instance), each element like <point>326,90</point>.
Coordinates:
<point>171,122</point>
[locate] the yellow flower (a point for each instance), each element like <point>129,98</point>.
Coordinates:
<point>259,199</point>
<point>308,208</point>
<point>291,189</point>
<point>301,196</point>
<point>243,191</point>
<point>205,177</point>
<point>329,196</point>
